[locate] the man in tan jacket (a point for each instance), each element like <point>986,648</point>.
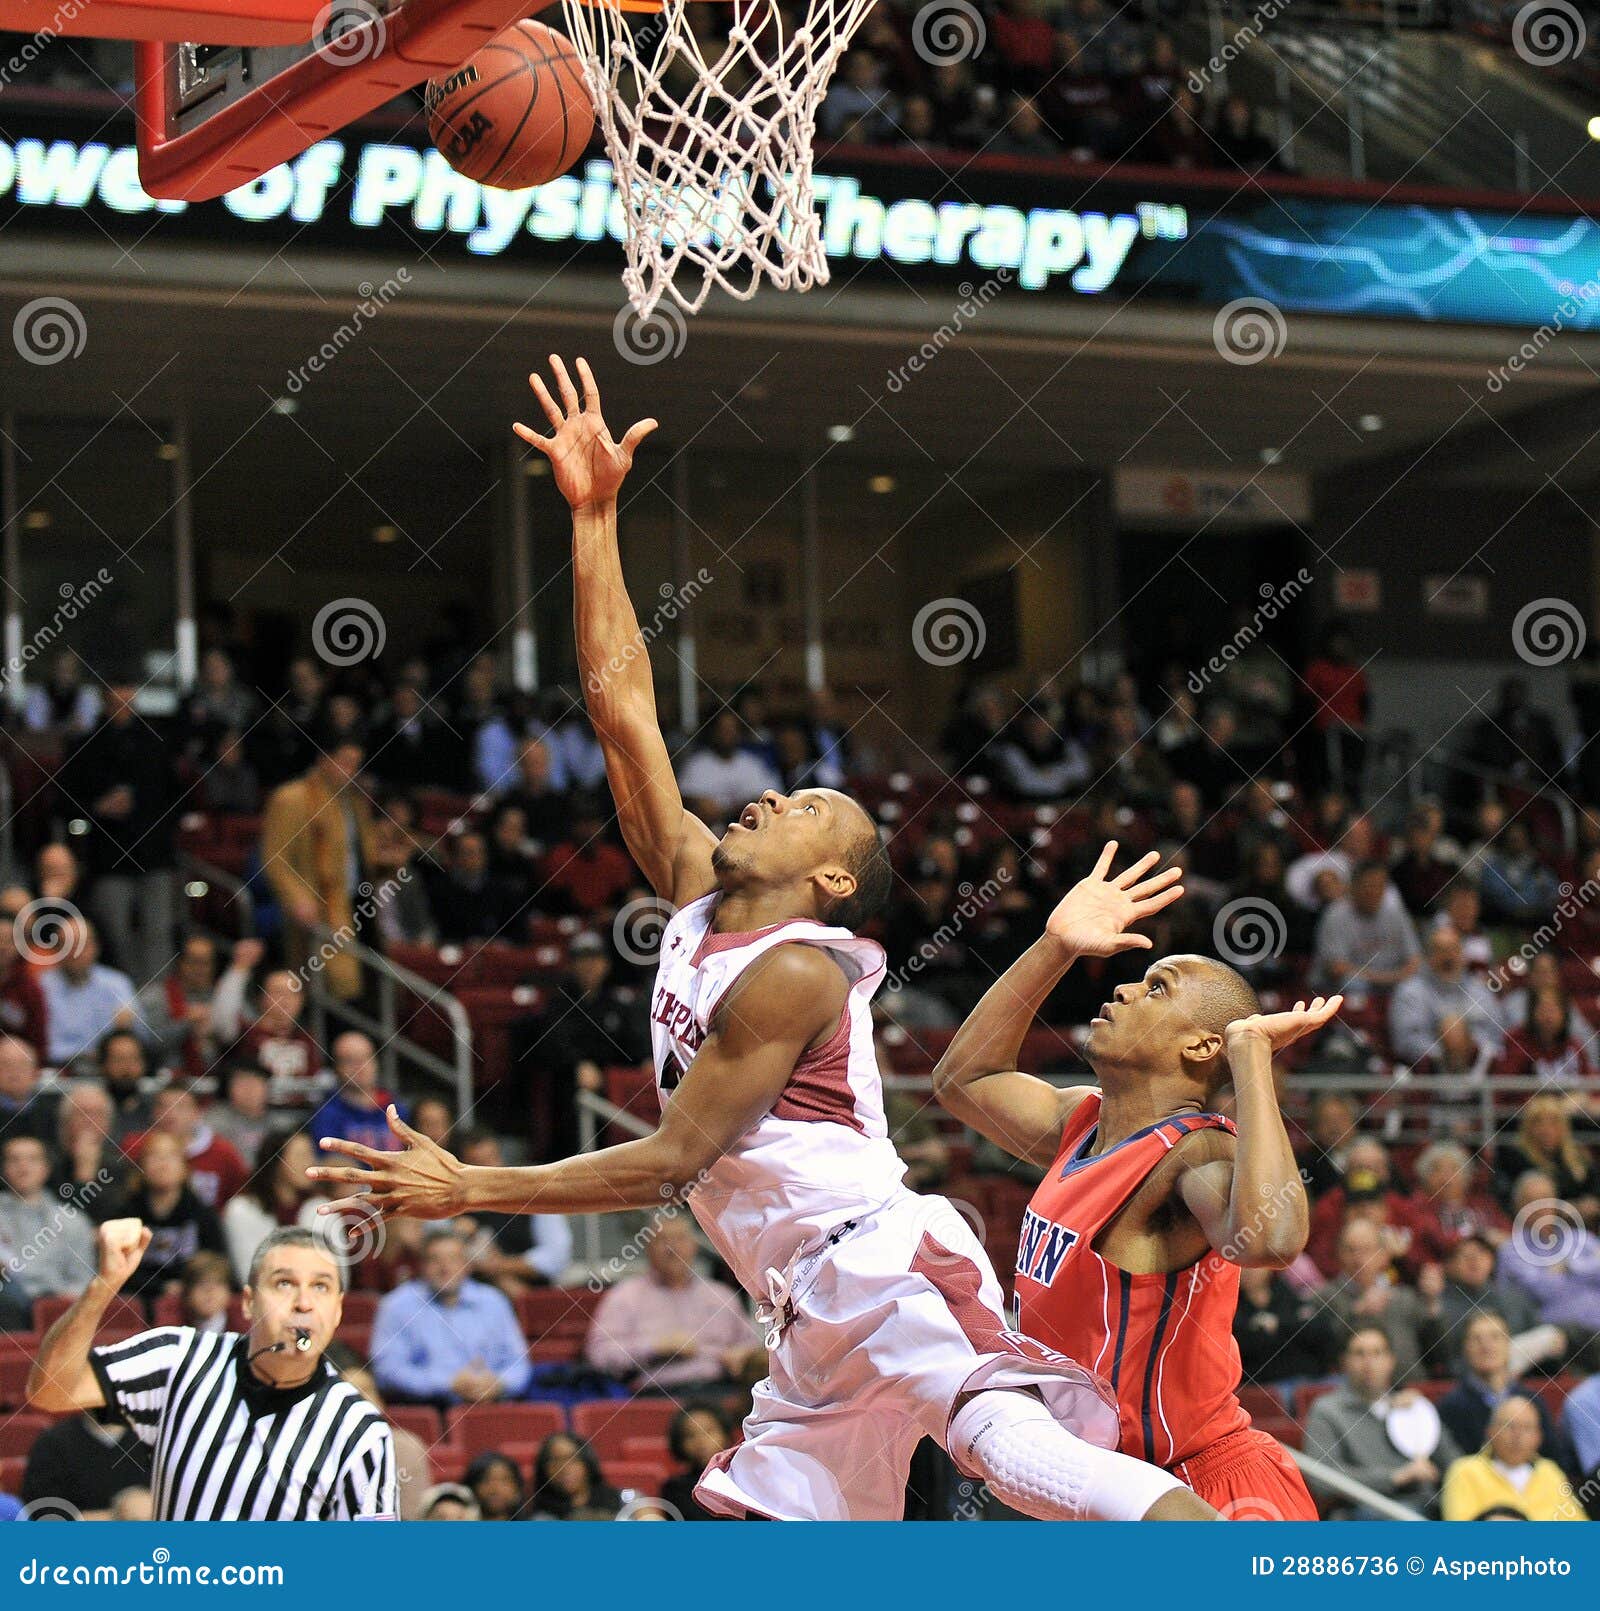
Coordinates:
<point>316,845</point>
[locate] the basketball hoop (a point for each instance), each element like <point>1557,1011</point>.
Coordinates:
<point>711,141</point>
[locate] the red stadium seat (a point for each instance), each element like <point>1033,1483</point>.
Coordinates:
<point>358,1338</point>
<point>17,1432</point>
<point>639,1477</point>
<point>14,1381</point>
<point>360,1308</point>
<point>124,1313</point>
<point>609,1423</point>
<point>646,1449</point>
<point>12,1469</point>
<point>1260,1402</point>
<point>632,1087</point>
<point>421,1421</point>
<point>1307,1395</point>
<point>168,1311</point>
<point>480,1427</point>
<point>1553,1394</point>
<point>555,1350</point>
<point>556,1312</point>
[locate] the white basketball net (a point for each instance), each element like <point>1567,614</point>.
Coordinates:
<point>710,141</point>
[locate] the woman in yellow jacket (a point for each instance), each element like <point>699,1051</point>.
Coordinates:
<point>1507,1476</point>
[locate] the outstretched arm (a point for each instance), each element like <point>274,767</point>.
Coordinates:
<point>671,845</point>
<point>62,1378</point>
<point>788,1001</point>
<point>1253,1205</point>
<point>977,1078</point>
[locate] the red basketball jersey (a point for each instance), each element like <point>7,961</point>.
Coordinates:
<point>1164,1341</point>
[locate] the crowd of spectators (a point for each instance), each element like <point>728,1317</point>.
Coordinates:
<point>1451,1287</point>
<point>1085,79</point>
<point>1088,80</point>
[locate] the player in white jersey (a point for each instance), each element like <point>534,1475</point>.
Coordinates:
<point>884,1317</point>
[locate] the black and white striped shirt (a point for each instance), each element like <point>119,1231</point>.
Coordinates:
<point>228,1447</point>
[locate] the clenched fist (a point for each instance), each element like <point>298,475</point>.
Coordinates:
<point>122,1245</point>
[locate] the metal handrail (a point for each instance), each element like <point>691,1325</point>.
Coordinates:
<point>1331,1478</point>
<point>1407,1124</point>
<point>593,1111</point>
<point>384,1028</point>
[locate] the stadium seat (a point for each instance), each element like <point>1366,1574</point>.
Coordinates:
<point>637,1477</point>
<point>12,1470</point>
<point>421,1421</point>
<point>17,1432</point>
<point>168,1310</point>
<point>1553,1394</point>
<point>480,1427</point>
<point>1284,1428</point>
<point>545,1312</point>
<point>14,1381</point>
<point>124,1312</point>
<point>1260,1402</point>
<point>360,1308</point>
<point>609,1423</point>
<point>1306,1395</point>
<point>646,1449</point>
<point>632,1087</point>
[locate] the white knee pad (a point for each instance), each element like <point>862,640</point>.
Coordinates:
<point>1038,1467</point>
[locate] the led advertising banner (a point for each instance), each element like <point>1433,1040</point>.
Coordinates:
<point>1037,233</point>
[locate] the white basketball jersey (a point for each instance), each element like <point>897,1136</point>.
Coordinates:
<point>822,1155</point>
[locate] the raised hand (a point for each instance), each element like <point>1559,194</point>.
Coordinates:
<point>121,1245</point>
<point>589,466</point>
<point>423,1182</point>
<point>1281,1030</point>
<point>1094,915</point>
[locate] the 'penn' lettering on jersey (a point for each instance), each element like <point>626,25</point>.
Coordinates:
<point>1042,1247</point>
<point>677,1018</point>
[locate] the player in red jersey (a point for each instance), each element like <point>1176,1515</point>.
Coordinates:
<point>1152,1199</point>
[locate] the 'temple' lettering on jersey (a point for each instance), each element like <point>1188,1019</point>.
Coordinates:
<point>1042,1247</point>
<point>677,1017</point>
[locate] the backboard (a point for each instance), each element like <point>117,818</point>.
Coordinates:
<point>238,22</point>
<point>212,117</point>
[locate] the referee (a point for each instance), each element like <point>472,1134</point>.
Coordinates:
<point>251,1428</point>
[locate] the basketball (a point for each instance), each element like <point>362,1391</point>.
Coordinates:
<point>517,114</point>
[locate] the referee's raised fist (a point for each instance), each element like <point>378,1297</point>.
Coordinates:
<point>122,1245</point>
